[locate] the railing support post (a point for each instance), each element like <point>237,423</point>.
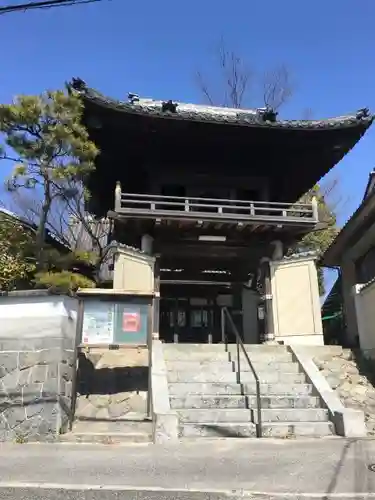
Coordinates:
<point>238,362</point>
<point>259,409</point>
<point>315,211</point>
<point>118,196</point>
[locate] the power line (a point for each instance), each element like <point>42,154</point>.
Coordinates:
<point>43,5</point>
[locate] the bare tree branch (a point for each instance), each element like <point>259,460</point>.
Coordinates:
<point>331,194</point>
<point>237,78</point>
<point>277,87</point>
<point>204,88</point>
<point>236,74</point>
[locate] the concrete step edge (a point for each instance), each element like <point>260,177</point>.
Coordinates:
<point>107,434</point>
<point>281,430</point>
<point>232,369</point>
<point>306,415</point>
<point>272,389</point>
<point>244,401</point>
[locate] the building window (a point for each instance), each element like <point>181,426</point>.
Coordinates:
<point>199,318</point>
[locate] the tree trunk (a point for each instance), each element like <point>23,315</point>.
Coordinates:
<point>41,231</point>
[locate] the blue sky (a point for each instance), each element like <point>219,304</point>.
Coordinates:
<point>155,48</point>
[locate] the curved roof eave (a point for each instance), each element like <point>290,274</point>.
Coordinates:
<point>332,256</point>
<point>208,114</point>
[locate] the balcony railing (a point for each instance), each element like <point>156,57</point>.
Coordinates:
<point>214,209</point>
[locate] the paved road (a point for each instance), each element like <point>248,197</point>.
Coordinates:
<point>325,468</point>
<point>53,494</point>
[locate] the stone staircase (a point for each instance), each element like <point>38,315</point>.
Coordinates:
<point>137,430</point>
<point>111,402</point>
<point>209,401</point>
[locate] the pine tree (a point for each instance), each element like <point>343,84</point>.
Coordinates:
<point>52,153</point>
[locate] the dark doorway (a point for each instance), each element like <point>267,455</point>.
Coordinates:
<point>195,320</point>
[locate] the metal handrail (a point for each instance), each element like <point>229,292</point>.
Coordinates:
<point>226,314</point>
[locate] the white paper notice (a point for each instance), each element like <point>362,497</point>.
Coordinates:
<point>98,318</point>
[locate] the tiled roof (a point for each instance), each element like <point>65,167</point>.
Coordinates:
<point>302,255</point>
<point>261,117</point>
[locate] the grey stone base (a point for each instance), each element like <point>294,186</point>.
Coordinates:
<point>35,393</point>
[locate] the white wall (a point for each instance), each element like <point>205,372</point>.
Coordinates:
<point>37,355</point>
<point>308,340</point>
<point>33,315</point>
<point>365,316</point>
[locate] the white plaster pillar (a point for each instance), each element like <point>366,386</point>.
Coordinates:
<point>269,333</point>
<point>146,244</point>
<point>295,302</point>
<point>360,316</point>
<point>278,252</point>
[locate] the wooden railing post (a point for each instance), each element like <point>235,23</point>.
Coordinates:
<point>315,211</point>
<point>118,196</point>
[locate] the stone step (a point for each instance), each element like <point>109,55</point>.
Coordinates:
<point>189,347</point>
<point>292,415</point>
<point>105,437</point>
<point>260,357</point>
<point>248,430</point>
<point>239,401</point>
<point>215,415</point>
<point>259,366</point>
<point>193,348</point>
<point>246,415</point>
<point>297,429</point>
<point>196,356</point>
<point>109,432</point>
<point>227,356</point>
<point>220,430</point>
<point>231,377</point>
<point>221,388</point>
<point>260,347</point>
<point>208,402</point>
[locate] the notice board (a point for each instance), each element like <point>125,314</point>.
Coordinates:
<point>131,324</point>
<point>116,322</point>
<point>97,322</point>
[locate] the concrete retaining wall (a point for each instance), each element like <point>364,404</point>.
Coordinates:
<point>348,422</point>
<point>164,419</point>
<point>37,364</point>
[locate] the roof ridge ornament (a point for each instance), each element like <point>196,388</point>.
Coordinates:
<point>267,114</point>
<point>363,113</point>
<point>78,84</point>
<point>169,106</point>
<point>133,98</point>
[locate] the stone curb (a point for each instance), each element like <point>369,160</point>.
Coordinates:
<point>347,421</point>
<point>164,420</point>
<point>34,293</point>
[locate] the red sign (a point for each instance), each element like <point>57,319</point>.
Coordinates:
<point>131,322</point>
